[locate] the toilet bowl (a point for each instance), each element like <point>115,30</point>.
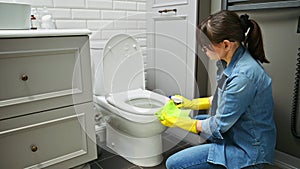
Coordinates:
<point>132,129</point>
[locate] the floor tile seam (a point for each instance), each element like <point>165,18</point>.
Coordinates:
<point>99,165</point>
<point>173,149</point>
<point>134,167</point>
<point>106,158</point>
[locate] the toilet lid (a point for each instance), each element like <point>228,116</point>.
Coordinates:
<point>142,102</point>
<point>122,66</point>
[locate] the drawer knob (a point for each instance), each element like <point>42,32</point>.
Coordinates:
<point>34,148</point>
<point>24,77</point>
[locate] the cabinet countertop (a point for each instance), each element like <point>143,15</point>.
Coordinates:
<point>42,33</point>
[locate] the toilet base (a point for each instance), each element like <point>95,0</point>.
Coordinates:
<point>145,152</point>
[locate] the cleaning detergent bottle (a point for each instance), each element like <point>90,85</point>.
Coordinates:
<point>176,100</point>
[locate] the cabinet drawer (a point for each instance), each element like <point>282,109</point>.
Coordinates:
<point>46,139</point>
<point>40,74</point>
<point>36,73</point>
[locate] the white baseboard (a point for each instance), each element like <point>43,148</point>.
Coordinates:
<point>286,161</point>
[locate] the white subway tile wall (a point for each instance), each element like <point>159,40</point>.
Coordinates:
<point>100,4</point>
<point>100,16</point>
<point>104,18</point>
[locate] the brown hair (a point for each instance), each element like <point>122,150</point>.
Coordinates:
<point>227,25</point>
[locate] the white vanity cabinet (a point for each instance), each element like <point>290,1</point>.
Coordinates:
<point>46,110</point>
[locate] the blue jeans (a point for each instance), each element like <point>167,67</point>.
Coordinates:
<point>192,158</point>
<point>196,157</point>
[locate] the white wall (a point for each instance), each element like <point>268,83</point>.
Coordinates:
<point>104,17</point>
<point>212,68</point>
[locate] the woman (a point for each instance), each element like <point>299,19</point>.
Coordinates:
<point>240,128</point>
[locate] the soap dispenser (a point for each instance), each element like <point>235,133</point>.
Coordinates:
<point>46,20</point>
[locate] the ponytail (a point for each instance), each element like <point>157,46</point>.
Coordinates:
<point>253,38</point>
<point>229,25</point>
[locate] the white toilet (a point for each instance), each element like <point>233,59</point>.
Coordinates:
<point>132,129</point>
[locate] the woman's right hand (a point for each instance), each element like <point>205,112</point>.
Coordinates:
<point>195,104</point>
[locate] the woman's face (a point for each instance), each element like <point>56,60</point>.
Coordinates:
<point>214,52</point>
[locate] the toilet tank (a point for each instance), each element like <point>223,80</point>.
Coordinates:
<point>121,67</point>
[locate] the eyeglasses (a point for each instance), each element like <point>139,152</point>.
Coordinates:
<point>207,48</point>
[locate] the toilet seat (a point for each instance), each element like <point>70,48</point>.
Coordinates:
<point>103,106</point>
<point>134,101</point>
<point>120,82</point>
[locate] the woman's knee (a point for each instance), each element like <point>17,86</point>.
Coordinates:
<point>171,163</point>
<point>188,157</point>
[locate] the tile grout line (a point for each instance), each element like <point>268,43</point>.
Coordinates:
<point>99,165</point>
<point>107,158</point>
<point>134,167</point>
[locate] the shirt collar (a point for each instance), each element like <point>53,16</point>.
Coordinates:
<point>221,66</point>
<point>236,57</point>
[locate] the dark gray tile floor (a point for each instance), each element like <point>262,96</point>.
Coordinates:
<point>109,160</point>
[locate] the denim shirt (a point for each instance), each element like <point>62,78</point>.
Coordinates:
<point>242,130</point>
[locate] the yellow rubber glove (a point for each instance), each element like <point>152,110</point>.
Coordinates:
<point>195,104</point>
<point>171,116</point>
<point>184,123</point>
